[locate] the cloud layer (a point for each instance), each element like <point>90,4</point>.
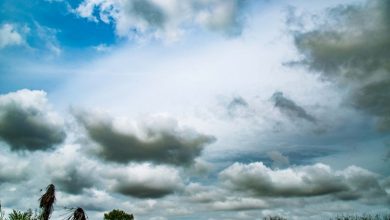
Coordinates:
<point>27,123</point>
<point>352,48</point>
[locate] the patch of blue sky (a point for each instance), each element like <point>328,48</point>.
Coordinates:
<point>70,30</point>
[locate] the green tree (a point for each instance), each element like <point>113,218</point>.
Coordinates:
<point>118,215</point>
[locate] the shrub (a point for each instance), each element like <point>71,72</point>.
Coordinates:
<point>118,215</point>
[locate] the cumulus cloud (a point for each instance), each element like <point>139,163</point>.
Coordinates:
<point>165,19</point>
<point>158,140</point>
<point>10,171</point>
<point>145,181</point>
<point>352,48</point>
<point>27,122</point>
<point>71,171</point>
<point>290,108</point>
<point>9,36</point>
<point>351,183</point>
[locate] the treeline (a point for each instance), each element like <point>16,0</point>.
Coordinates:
<point>46,204</point>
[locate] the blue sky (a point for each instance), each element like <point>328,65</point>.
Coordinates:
<point>209,109</point>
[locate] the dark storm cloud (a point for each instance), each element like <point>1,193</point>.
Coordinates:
<point>304,181</point>
<point>143,191</point>
<point>352,48</point>
<point>163,142</point>
<point>26,123</point>
<point>290,108</point>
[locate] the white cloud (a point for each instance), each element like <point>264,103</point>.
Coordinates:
<point>165,18</point>
<point>12,171</point>
<point>9,35</point>
<point>145,180</point>
<point>352,183</point>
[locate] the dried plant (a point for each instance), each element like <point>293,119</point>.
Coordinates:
<point>78,214</point>
<point>47,201</point>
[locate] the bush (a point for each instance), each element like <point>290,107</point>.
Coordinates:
<point>118,215</point>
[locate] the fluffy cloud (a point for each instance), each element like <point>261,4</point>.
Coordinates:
<point>290,108</point>
<point>165,19</point>
<point>145,181</point>
<point>352,48</point>
<point>11,171</point>
<point>158,140</point>
<point>304,181</point>
<point>27,122</point>
<point>9,35</point>
<point>71,171</point>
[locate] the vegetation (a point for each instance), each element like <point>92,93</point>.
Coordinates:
<point>78,214</point>
<point>274,218</point>
<point>47,201</point>
<point>46,204</point>
<point>362,217</point>
<point>118,215</point>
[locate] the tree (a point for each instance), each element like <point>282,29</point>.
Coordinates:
<point>118,215</point>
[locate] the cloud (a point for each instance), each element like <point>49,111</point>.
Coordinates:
<point>165,19</point>
<point>12,171</point>
<point>352,183</point>
<point>158,140</point>
<point>239,204</point>
<point>145,181</point>
<point>278,158</point>
<point>290,108</point>
<point>27,122</point>
<point>71,171</point>
<point>237,106</point>
<point>9,36</point>
<point>352,49</point>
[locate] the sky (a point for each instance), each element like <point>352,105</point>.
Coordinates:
<point>196,109</point>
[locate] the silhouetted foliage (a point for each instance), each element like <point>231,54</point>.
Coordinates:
<point>78,214</point>
<point>118,215</point>
<point>47,201</point>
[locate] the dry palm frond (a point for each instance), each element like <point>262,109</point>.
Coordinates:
<point>78,214</point>
<point>46,202</point>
